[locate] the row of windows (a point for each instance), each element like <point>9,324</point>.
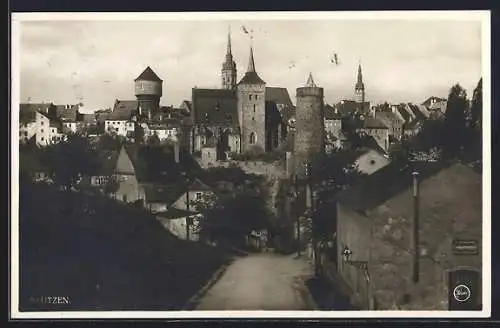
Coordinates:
<point>254,97</point>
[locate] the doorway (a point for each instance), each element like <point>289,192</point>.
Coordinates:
<point>464,290</point>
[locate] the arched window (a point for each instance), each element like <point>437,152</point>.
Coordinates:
<point>249,97</point>
<point>253,138</point>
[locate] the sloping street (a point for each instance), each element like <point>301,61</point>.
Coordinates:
<point>261,282</point>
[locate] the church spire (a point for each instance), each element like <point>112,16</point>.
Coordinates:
<point>228,66</point>
<point>360,77</point>
<point>228,53</point>
<point>359,89</point>
<point>251,63</point>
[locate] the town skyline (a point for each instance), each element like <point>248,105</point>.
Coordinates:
<point>402,61</point>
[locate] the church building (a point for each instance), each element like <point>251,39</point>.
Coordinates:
<point>240,117</point>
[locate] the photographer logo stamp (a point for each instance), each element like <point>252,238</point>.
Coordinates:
<point>461,293</point>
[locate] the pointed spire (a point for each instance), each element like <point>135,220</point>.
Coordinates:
<point>251,63</point>
<point>310,81</point>
<point>360,74</point>
<point>229,42</point>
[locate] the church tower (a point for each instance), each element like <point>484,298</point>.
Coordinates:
<point>251,108</point>
<point>228,67</point>
<point>359,89</point>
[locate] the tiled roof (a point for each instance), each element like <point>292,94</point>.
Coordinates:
<point>394,179</point>
<point>416,111</point>
<point>278,96</point>
<point>251,78</point>
<point>386,116</point>
<point>423,110</point>
<point>148,75</point>
<point>27,111</point>
<point>402,111</point>
<point>164,194</point>
<point>215,106</point>
<point>331,113</point>
<point>281,98</point>
<point>372,123</point>
<point>429,100</point>
<point>348,107</point>
<point>67,114</point>
<point>186,106</point>
<point>369,143</point>
<point>123,110</point>
<point>88,118</point>
<point>174,213</point>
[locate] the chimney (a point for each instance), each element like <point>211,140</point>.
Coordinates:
<point>176,152</point>
<point>415,227</point>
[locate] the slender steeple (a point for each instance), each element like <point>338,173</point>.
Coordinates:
<point>251,63</point>
<point>228,66</point>
<point>359,89</point>
<point>359,83</point>
<point>228,53</point>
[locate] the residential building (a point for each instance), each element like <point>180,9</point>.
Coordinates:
<point>371,157</point>
<point>436,107</point>
<point>394,257</point>
<point>118,121</point>
<point>375,128</point>
<point>47,132</point>
<point>393,121</point>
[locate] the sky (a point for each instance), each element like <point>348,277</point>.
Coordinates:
<point>96,62</point>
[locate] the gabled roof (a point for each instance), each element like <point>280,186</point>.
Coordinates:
<point>215,106</point>
<point>251,78</point>
<point>88,118</point>
<point>124,163</point>
<point>148,75</point>
<point>123,110</point>
<point>395,179</point>
<point>402,111</point>
<point>417,112</point>
<point>369,143</point>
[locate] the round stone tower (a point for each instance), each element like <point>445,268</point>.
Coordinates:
<point>309,145</point>
<point>148,91</point>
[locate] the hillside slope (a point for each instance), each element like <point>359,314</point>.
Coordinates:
<point>104,255</point>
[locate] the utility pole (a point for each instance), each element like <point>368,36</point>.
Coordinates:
<point>309,187</point>
<point>188,223</point>
<point>296,212</point>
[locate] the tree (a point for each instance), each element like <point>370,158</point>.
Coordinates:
<point>108,142</point>
<point>111,185</point>
<point>234,213</point>
<point>68,161</point>
<point>454,130</point>
<point>477,107</point>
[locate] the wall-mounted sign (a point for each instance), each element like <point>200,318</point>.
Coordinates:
<point>465,247</point>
